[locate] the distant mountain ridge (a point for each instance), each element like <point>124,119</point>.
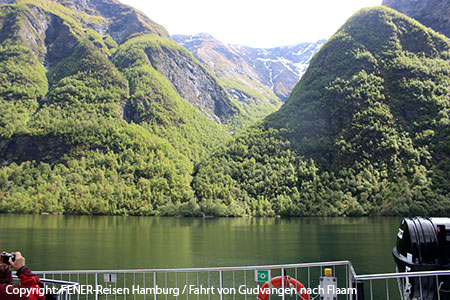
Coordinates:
<point>280,68</point>
<point>277,69</point>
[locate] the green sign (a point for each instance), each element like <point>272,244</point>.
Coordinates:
<point>262,275</point>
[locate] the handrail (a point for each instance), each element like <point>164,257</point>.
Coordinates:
<point>352,280</point>
<point>185,270</point>
<point>54,281</point>
<point>402,275</point>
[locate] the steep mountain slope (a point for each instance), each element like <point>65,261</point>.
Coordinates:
<point>109,19</point>
<point>366,131</point>
<point>277,69</point>
<point>92,119</point>
<point>236,75</point>
<point>280,68</point>
<point>432,13</point>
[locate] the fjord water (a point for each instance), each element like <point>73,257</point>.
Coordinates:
<point>102,242</point>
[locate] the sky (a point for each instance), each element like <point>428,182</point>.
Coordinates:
<point>254,23</point>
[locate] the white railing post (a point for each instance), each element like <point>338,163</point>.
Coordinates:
<point>96,283</point>
<point>220,285</point>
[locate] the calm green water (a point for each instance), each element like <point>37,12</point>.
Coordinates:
<point>86,242</point>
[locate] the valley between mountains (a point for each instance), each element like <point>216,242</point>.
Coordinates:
<point>102,111</point>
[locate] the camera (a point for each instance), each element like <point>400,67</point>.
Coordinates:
<point>6,256</point>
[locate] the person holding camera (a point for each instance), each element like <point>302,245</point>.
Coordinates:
<point>30,288</point>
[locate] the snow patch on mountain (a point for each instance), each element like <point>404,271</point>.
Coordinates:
<point>279,68</point>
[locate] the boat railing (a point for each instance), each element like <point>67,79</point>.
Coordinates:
<point>241,283</point>
<point>59,289</point>
<point>216,283</point>
<point>401,285</point>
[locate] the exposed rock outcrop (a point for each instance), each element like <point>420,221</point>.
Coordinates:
<point>121,21</point>
<point>193,82</point>
<point>116,19</point>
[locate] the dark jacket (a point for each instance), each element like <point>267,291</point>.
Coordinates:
<point>29,283</point>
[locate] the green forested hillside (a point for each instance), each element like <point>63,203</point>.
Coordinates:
<point>365,131</point>
<point>87,124</point>
<point>101,118</point>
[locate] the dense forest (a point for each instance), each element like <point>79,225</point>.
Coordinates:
<point>94,119</point>
<point>92,129</point>
<point>365,131</point>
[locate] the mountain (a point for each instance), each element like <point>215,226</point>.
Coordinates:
<point>112,20</point>
<point>366,131</point>
<point>277,69</point>
<point>280,68</point>
<point>235,74</point>
<point>432,13</point>
<point>101,112</point>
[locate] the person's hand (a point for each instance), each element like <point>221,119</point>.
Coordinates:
<point>19,262</point>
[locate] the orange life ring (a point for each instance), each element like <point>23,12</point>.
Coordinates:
<point>289,282</point>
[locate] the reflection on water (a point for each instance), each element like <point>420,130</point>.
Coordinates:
<point>98,242</point>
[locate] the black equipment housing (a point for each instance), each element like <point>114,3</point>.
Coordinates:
<point>423,244</point>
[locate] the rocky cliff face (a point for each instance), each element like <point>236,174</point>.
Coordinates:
<point>223,60</point>
<point>192,82</point>
<point>277,69</point>
<point>238,77</point>
<point>121,21</point>
<point>116,19</point>
<point>431,13</point>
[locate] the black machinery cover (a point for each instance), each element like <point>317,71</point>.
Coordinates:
<point>423,244</point>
